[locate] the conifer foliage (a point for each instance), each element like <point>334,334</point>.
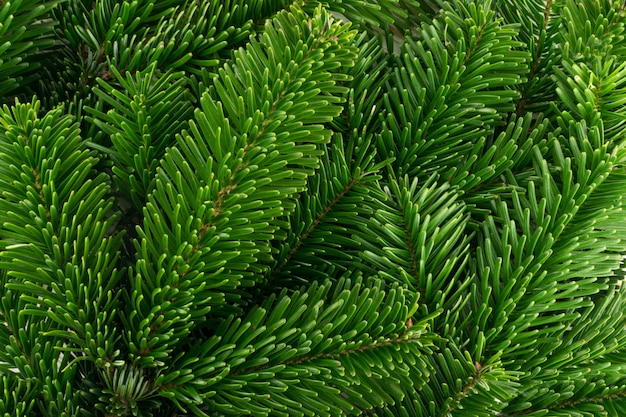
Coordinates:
<point>312,208</point>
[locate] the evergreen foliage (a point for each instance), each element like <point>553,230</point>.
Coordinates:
<point>410,208</point>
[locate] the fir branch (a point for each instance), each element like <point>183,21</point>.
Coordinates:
<point>574,404</point>
<point>468,386</point>
<point>265,344</point>
<point>27,41</point>
<point>52,218</point>
<point>425,104</point>
<point>276,271</point>
<point>406,242</point>
<point>538,56</point>
<point>260,153</point>
<point>144,118</point>
<point>402,338</point>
